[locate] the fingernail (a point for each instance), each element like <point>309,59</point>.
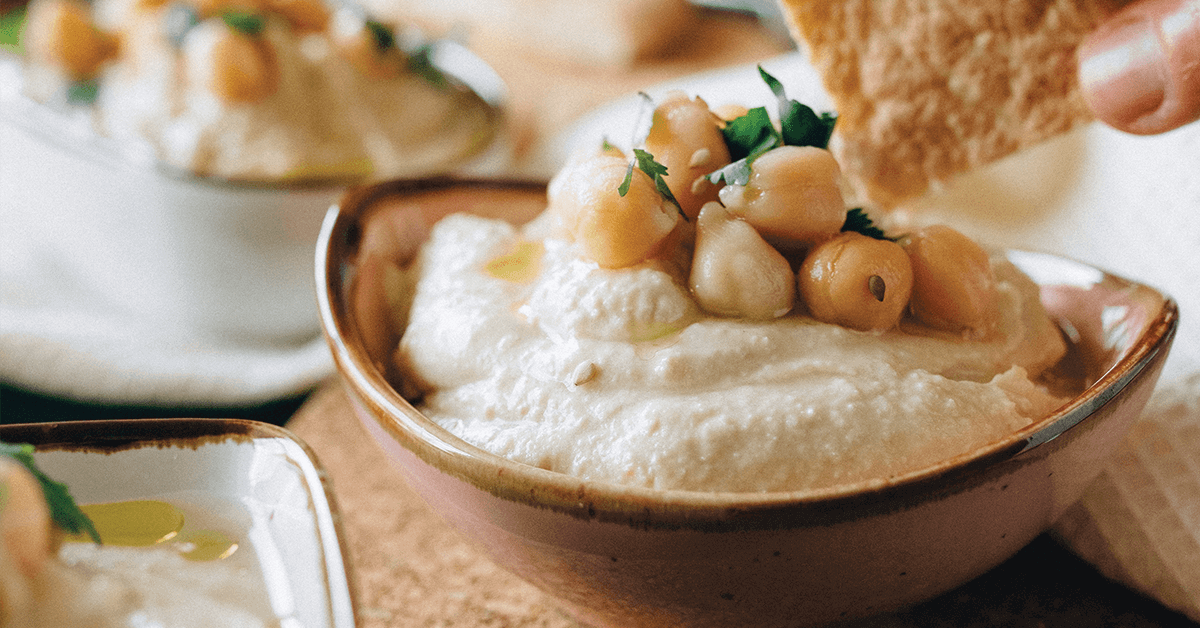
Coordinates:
<point>1123,72</point>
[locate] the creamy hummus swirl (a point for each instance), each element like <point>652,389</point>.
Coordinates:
<point>617,375</point>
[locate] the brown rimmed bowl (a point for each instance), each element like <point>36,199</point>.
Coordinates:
<point>623,556</point>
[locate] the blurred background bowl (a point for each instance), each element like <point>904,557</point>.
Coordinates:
<point>228,258</point>
<point>623,556</point>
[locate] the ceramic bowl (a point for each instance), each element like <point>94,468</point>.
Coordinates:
<point>257,482</point>
<point>199,254</point>
<point>620,556</point>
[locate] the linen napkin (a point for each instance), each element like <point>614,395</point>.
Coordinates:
<point>58,338</point>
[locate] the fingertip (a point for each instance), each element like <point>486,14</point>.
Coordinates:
<point>1137,72</point>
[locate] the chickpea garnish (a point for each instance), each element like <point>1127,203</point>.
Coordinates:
<point>211,8</point>
<point>856,281</point>
<point>237,67</point>
<point>61,33</point>
<point>24,518</point>
<point>685,137</point>
<point>793,197</point>
<point>309,16</point>
<point>613,230</point>
<point>735,272</point>
<point>954,288</point>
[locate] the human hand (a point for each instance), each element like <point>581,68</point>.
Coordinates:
<point>1140,70</point>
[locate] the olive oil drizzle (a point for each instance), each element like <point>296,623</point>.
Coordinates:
<point>151,522</point>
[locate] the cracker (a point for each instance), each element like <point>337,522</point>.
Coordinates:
<point>925,90</point>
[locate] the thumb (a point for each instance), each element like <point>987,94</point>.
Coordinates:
<point>1140,70</point>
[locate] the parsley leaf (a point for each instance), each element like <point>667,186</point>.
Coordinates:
<point>83,92</point>
<point>382,35</point>
<point>753,133</point>
<point>63,509</point>
<point>799,124</point>
<point>747,137</point>
<point>656,171</point>
<point>420,62</point>
<point>244,22</point>
<point>750,133</point>
<point>858,221</point>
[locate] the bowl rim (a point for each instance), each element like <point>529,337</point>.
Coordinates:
<point>466,74</point>
<point>641,506</point>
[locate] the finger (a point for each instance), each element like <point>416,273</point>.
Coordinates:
<point>1140,71</point>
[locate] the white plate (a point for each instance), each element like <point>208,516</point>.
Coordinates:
<point>257,476</point>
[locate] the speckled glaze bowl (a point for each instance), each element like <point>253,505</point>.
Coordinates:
<point>621,556</point>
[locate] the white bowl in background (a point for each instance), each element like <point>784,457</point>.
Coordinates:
<point>171,249</point>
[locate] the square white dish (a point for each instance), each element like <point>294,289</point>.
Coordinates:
<point>256,475</point>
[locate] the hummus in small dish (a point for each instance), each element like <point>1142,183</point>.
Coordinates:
<point>201,523</point>
<point>767,341</point>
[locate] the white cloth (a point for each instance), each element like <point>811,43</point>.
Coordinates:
<point>57,338</point>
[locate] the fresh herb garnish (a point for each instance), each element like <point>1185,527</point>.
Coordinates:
<point>383,36</point>
<point>643,160</point>
<point>753,133</point>
<point>799,124</point>
<point>858,221</point>
<point>420,62</point>
<point>750,134</point>
<point>656,171</point>
<point>63,509</point>
<point>83,92</point>
<point>244,22</point>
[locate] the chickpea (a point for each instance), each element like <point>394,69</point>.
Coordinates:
<point>685,137</point>
<point>857,282</point>
<point>237,67</point>
<point>60,33</point>
<point>735,272</point>
<point>954,288</point>
<point>24,518</point>
<point>308,16</point>
<point>614,231</point>
<point>793,196</point>
<point>210,8</point>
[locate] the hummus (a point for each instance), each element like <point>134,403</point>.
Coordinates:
<point>520,345</point>
<point>312,114</point>
<point>122,587</point>
<point>194,577</point>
